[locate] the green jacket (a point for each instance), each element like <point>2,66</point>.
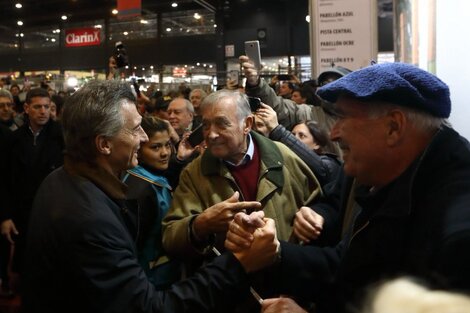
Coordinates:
<point>285,184</point>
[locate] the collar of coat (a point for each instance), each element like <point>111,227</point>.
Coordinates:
<point>270,156</point>
<point>107,182</point>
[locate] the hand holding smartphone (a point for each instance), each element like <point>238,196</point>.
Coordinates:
<point>196,137</point>
<point>253,52</point>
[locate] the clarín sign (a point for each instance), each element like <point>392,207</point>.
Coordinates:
<point>79,37</point>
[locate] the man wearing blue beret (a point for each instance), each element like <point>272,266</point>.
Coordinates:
<point>410,207</point>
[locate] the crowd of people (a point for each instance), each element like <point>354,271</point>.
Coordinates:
<point>329,187</point>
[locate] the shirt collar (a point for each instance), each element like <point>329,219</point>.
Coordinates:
<point>248,155</point>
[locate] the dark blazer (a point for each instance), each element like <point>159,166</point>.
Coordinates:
<point>81,257</point>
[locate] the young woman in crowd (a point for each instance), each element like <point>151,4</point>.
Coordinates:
<point>150,194</point>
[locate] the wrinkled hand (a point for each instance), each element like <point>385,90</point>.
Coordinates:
<point>268,115</point>
<point>173,134</point>
<point>274,80</point>
<point>240,232</point>
<point>263,250</point>
<point>281,305</point>
<point>216,218</point>
<point>185,150</point>
<point>251,74</point>
<point>8,229</point>
<point>307,224</point>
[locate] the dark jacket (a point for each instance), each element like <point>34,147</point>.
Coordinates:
<point>418,225</point>
<point>82,258</point>
<point>32,159</point>
<point>325,167</point>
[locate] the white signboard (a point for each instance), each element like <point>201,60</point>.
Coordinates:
<point>344,33</point>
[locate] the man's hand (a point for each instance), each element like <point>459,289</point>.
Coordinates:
<point>251,74</point>
<point>264,248</point>
<point>268,116</point>
<point>281,305</point>
<point>216,218</point>
<point>8,229</point>
<point>307,224</point>
<point>240,232</point>
<point>185,150</point>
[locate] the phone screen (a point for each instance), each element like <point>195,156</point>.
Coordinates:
<point>196,137</point>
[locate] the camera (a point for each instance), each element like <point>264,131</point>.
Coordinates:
<point>120,55</point>
<point>255,103</point>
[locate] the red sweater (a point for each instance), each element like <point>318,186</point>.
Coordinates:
<point>247,175</point>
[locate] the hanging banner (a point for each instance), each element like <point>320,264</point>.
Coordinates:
<point>129,8</point>
<point>79,37</point>
<point>344,33</point>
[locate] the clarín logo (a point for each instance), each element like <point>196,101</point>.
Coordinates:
<point>82,37</point>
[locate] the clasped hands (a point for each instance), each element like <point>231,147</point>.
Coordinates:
<point>252,239</point>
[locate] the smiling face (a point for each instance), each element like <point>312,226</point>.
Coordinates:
<point>156,152</point>
<point>125,145</point>
<point>225,135</point>
<point>179,115</point>
<point>361,138</point>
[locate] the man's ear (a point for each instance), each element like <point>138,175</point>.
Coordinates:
<point>26,108</point>
<point>396,127</point>
<point>103,145</point>
<point>249,121</point>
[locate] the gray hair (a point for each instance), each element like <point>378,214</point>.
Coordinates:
<point>243,106</point>
<point>94,110</point>
<point>202,92</point>
<point>6,94</point>
<point>189,105</point>
<point>421,120</point>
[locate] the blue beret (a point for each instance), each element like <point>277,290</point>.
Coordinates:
<point>398,83</point>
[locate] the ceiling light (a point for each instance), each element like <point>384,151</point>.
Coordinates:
<point>151,67</point>
<point>20,23</point>
<point>144,21</point>
<point>53,39</point>
<point>168,29</point>
<point>174,4</point>
<point>197,16</point>
<point>307,18</point>
<point>115,12</point>
<point>98,26</point>
<point>125,33</point>
<point>64,17</point>
<point>21,35</point>
<point>215,25</point>
<point>18,5</point>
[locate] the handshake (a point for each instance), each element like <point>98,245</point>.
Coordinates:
<point>252,239</point>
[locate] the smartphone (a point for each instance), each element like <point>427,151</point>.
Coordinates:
<point>255,103</point>
<point>136,87</point>
<point>284,77</point>
<point>196,136</point>
<point>252,51</point>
